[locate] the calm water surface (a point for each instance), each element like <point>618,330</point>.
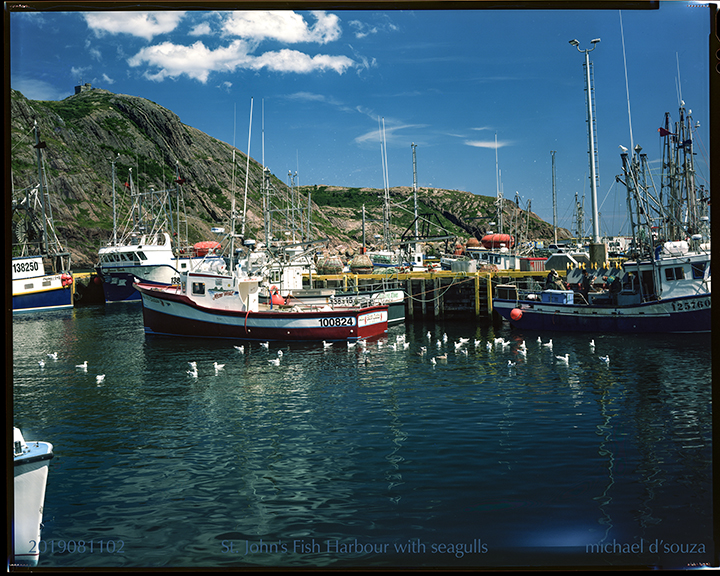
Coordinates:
<point>349,457</point>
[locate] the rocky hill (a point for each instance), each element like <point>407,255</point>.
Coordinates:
<point>86,132</point>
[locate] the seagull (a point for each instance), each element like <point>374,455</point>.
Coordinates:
<point>53,355</point>
<point>458,345</point>
<point>539,340</point>
<point>380,344</point>
<point>362,343</point>
<point>193,365</point>
<point>605,359</point>
<point>400,338</point>
<point>423,350</point>
<point>511,363</point>
<point>100,378</point>
<point>275,361</point>
<point>522,352</point>
<point>592,345</point>
<point>280,352</point>
<point>218,367</point>
<point>563,359</point>
<point>351,344</point>
<point>522,345</point>
<point>623,148</point>
<point>477,343</point>
<point>240,349</point>
<point>548,344</point>
<point>442,357</point>
<point>439,344</point>
<point>489,346</point>
<point>433,361</point>
<point>265,345</point>
<point>463,351</point>
<point>497,341</point>
<point>393,346</point>
<point>193,373</point>
<point>463,340</point>
<point>406,345</point>
<point>82,366</point>
<point>429,336</point>
<point>41,363</point>
<point>445,337</point>
<point>327,344</point>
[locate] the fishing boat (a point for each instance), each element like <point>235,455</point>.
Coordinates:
<point>665,285</point>
<point>220,305</point>
<point>31,467</point>
<point>41,277</point>
<point>145,249</point>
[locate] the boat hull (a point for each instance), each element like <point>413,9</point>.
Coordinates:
<point>41,293</point>
<point>31,473</point>
<point>175,315</point>
<point>394,299</point>
<point>676,315</point>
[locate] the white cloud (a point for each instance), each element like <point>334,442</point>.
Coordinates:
<point>107,79</point>
<point>283,26</point>
<point>79,72</point>
<point>198,61</point>
<point>142,24</point>
<point>202,29</point>
<point>488,143</point>
<point>293,61</point>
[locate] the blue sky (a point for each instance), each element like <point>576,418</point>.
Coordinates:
<point>452,82</point>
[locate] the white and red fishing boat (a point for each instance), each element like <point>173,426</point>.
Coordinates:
<point>212,303</point>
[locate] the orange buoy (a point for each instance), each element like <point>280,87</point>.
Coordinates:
<point>516,314</point>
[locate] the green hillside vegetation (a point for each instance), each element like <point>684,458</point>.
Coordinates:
<point>86,132</point>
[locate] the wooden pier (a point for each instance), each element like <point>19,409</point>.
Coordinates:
<point>439,294</point>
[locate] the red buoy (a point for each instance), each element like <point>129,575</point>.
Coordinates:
<point>516,314</point>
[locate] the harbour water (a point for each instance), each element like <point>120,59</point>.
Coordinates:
<point>366,457</point>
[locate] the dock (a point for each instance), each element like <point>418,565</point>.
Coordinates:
<point>439,294</point>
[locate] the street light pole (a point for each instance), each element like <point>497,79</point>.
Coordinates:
<point>597,249</point>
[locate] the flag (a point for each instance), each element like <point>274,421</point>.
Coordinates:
<point>664,132</point>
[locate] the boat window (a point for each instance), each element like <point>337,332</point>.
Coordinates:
<point>198,288</point>
<point>29,286</point>
<point>142,256</point>
<point>183,265</point>
<point>275,276</point>
<point>674,273</point>
<point>698,270</point>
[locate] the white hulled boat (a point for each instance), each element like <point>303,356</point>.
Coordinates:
<point>665,286</point>
<point>41,278</point>
<point>146,250</point>
<point>31,466</point>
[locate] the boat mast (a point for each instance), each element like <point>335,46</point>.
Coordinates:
<point>114,207</point>
<point>554,198</point>
<point>386,216</point>
<point>247,174</point>
<point>498,193</point>
<point>44,248</point>
<point>414,146</point>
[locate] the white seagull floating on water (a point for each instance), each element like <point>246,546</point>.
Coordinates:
<point>82,366</point>
<point>53,355</point>
<point>240,349</point>
<point>563,359</point>
<point>275,361</point>
<point>100,378</point>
